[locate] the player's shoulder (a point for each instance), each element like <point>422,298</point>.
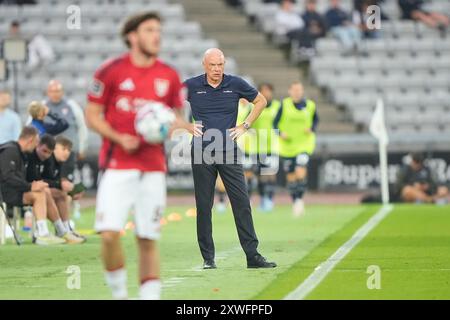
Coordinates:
<point>167,68</point>
<point>111,64</point>
<point>195,80</point>
<point>235,80</point>
<point>10,146</point>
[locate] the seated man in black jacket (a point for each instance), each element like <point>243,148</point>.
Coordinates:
<point>17,191</point>
<point>416,182</point>
<point>62,189</point>
<point>41,165</point>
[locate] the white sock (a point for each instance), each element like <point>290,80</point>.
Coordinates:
<point>60,228</point>
<point>117,282</point>
<point>150,290</point>
<point>67,225</point>
<point>42,228</point>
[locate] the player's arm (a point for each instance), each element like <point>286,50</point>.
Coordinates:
<point>82,128</point>
<point>315,122</point>
<point>180,123</point>
<point>96,121</point>
<point>259,103</point>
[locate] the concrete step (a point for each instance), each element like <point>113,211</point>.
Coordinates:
<point>335,127</point>
<point>207,7</point>
<point>256,58</point>
<point>211,20</point>
<point>236,43</point>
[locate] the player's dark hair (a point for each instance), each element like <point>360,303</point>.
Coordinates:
<point>64,141</point>
<point>133,23</point>
<point>418,157</point>
<point>265,84</point>
<point>28,132</point>
<point>48,141</point>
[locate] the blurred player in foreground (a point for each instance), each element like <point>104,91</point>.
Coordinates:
<point>134,175</point>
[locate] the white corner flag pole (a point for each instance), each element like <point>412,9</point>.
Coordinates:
<point>378,130</point>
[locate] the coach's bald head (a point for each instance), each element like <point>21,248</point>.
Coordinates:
<point>55,91</point>
<point>213,53</point>
<point>214,64</point>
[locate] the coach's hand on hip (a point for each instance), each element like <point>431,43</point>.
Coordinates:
<point>238,131</point>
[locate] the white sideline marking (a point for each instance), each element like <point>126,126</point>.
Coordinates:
<point>172,282</point>
<point>322,270</point>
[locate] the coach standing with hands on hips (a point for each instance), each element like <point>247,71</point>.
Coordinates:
<point>214,98</point>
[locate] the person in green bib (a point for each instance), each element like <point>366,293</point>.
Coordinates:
<point>260,146</point>
<point>246,144</point>
<point>296,121</point>
<point>267,148</point>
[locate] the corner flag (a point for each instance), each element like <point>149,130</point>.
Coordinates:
<point>378,130</point>
<point>377,126</point>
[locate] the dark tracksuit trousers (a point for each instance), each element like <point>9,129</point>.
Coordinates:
<point>232,174</point>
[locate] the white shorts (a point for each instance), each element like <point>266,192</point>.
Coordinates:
<point>122,190</point>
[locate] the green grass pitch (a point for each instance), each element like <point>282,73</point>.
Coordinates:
<point>410,247</point>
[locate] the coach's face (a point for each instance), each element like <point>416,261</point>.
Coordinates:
<point>148,37</point>
<point>214,66</point>
<point>55,92</point>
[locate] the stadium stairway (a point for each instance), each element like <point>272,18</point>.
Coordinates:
<point>258,58</point>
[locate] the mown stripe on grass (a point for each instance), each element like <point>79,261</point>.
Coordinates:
<point>323,269</point>
<point>289,280</point>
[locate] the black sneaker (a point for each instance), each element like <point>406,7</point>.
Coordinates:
<point>209,264</point>
<point>259,261</point>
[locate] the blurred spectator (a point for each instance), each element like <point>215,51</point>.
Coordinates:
<point>10,125</point>
<point>412,10</point>
<point>76,131</point>
<point>315,26</point>
<point>40,51</point>
<point>287,21</point>
<point>416,182</point>
<point>38,112</point>
<point>234,3</point>
<point>360,18</point>
<point>357,6</point>
<point>342,28</point>
<point>303,41</point>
